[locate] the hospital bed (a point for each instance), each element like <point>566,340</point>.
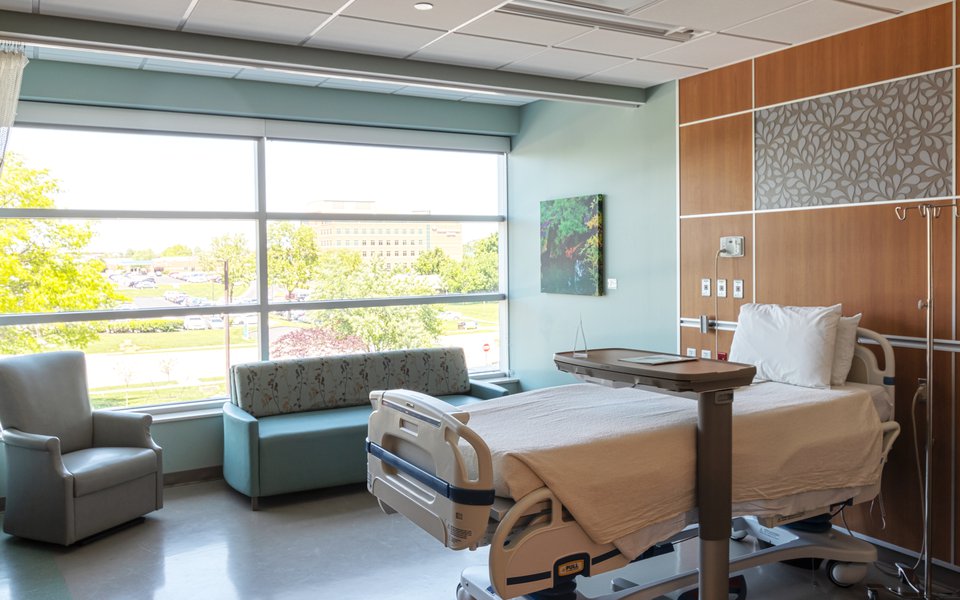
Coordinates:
<point>427,462</point>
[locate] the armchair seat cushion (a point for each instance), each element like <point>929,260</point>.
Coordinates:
<point>96,469</point>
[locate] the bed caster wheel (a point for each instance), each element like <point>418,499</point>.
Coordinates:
<point>463,594</point>
<point>872,594</point>
<point>738,534</point>
<point>844,575</point>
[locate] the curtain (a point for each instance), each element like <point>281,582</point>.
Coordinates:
<point>12,63</point>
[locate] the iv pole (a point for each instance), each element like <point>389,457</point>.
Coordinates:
<point>907,576</point>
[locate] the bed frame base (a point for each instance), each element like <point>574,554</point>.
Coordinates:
<point>847,561</point>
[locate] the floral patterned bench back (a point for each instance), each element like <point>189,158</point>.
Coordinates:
<point>293,385</point>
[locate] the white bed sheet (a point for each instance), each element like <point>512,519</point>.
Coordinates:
<point>623,461</point>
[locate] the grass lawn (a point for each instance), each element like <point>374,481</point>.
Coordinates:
<point>170,340</point>
<point>142,395</point>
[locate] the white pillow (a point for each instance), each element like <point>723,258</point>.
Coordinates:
<point>789,344</point>
<point>843,351</point>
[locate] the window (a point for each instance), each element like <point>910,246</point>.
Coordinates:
<point>162,301</point>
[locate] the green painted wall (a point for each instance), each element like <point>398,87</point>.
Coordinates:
<point>629,155</point>
<point>46,81</point>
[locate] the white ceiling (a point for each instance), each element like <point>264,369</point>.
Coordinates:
<point>635,43</point>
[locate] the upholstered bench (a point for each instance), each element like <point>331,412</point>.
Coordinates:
<point>300,424</point>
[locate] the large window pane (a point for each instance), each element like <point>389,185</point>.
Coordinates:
<point>475,327</point>
<point>141,362</point>
<point>338,178</point>
<point>58,265</point>
<point>330,260</point>
<point>140,171</point>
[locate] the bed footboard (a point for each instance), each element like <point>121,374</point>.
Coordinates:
<point>415,466</point>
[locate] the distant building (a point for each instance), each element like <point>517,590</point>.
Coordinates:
<point>397,243</point>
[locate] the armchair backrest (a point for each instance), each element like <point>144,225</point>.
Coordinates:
<point>47,394</point>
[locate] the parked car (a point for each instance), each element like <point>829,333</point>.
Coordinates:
<point>195,322</point>
<point>174,296</point>
<point>467,325</point>
<point>197,278</point>
<point>215,321</point>
<point>145,283</point>
<point>247,319</point>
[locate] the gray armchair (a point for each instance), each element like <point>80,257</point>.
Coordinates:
<point>71,472</point>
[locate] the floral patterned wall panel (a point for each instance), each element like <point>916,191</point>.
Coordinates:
<point>891,141</point>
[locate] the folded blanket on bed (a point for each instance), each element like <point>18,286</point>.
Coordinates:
<point>624,459</point>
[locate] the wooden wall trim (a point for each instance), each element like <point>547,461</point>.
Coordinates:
<point>718,92</point>
<point>716,166</point>
<point>914,43</point>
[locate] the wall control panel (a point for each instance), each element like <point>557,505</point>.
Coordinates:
<point>705,354</point>
<point>705,286</point>
<point>738,288</point>
<point>692,352</point>
<point>721,288</point>
<point>731,246</point>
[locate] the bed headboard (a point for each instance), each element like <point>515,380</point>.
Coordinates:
<point>865,368</point>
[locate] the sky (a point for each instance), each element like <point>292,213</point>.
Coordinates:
<point>131,171</point>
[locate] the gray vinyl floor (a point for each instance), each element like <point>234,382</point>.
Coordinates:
<point>206,543</point>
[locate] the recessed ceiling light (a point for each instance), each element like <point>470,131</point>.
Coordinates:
<point>423,6</point>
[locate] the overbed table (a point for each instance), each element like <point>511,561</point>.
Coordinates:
<point>711,383</point>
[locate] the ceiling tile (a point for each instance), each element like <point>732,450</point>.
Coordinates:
<point>325,6</point>
<point>372,37</point>
<point>809,21</point>
<point>475,51</point>
<point>189,68</point>
<point>568,64</point>
<point>446,14</point>
<point>229,18</point>
<point>617,43</point>
<point>903,5</point>
<point>17,5</point>
<point>715,50</point>
<point>524,29</point>
<point>281,77</point>
<point>643,73</point>
<point>106,59</point>
<point>156,13</point>
<point>710,15</point>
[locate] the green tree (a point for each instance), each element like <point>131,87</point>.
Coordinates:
<point>479,271</point>
<point>141,255</point>
<point>292,255</point>
<point>177,250</point>
<point>43,267</point>
<point>342,274</point>
<point>233,249</point>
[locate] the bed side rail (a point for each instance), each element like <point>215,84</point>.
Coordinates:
<point>415,466</point>
<point>865,368</point>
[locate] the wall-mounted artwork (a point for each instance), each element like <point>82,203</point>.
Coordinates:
<point>571,245</point>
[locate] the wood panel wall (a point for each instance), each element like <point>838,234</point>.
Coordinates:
<point>857,254</point>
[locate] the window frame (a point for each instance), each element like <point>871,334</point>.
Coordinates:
<point>62,116</point>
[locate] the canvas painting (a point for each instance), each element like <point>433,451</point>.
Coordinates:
<point>571,245</point>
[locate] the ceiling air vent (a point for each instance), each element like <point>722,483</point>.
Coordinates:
<point>614,15</point>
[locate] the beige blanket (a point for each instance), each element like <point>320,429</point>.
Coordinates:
<point>622,460</point>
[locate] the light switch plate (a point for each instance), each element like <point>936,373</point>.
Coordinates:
<point>692,352</point>
<point>721,288</point>
<point>738,288</point>
<point>611,284</point>
<point>705,354</point>
<point>705,286</point>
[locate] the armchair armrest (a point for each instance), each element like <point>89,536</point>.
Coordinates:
<point>486,391</point>
<point>31,441</point>
<point>122,429</point>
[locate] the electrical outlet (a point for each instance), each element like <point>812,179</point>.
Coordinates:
<point>692,352</point>
<point>705,354</point>
<point>738,288</point>
<point>731,246</point>
<point>705,286</point>
<point>721,288</point>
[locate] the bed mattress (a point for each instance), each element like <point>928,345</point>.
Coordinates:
<point>623,461</point>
